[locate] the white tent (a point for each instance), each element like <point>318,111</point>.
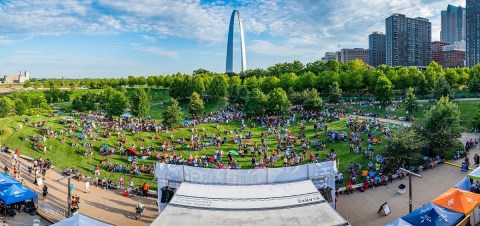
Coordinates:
<point>285,204</point>
<point>80,220</point>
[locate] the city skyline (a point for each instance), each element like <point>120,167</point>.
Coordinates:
<point>112,39</point>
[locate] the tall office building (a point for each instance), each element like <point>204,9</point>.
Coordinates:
<point>376,47</point>
<point>473,32</point>
<point>408,41</point>
<point>347,55</point>
<point>453,24</point>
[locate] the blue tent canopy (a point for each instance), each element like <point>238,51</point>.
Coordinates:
<point>16,193</point>
<point>464,184</point>
<point>398,222</point>
<point>431,214</point>
<point>6,180</point>
<point>186,122</point>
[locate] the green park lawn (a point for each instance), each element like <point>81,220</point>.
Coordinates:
<point>64,155</point>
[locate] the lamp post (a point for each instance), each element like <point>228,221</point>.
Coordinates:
<point>69,199</point>
<point>410,173</point>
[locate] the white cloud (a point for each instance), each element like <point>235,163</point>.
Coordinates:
<point>157,51</point>
<point>294,27</point>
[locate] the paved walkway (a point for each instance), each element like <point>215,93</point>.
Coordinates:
<point>360,208</point>
<point>105,205</point>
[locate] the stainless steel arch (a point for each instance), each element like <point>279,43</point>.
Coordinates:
<point>229,68</point>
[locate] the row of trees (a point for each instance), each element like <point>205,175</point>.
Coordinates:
<point>115,102</point>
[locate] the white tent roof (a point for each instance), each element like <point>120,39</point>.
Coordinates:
<point>80,220</point>
<point>297,203</point>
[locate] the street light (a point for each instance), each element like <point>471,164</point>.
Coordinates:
<point>69,201</point>
<point>410,173</point>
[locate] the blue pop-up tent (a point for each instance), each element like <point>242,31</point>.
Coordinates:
<point>433,215</point>
<point>6,180</point>
<point>16,193</point>
<point>464,184</point>
<point>398,222</point>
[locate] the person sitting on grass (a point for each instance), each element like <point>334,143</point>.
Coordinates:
<point>349,187</point>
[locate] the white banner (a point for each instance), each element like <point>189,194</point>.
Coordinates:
<point>246,177</point>
<point>287,174</point>
<point>175,172</point>
<point>205,175</point>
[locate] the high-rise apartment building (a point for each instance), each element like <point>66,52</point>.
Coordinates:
<point>473,32</point>
<point>376,47</point>
<point>408,41</point>
<point>347,55</point>
<point>453,24</point>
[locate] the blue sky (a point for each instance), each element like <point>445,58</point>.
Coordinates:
<point>114,38</point>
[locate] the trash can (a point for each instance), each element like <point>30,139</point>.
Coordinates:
<point>401,189</point>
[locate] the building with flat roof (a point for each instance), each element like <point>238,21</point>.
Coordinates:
<point>376,48</point>
<point>347,55</point>
<point>408,41</point>
<point>453,24</point>
<point>329,56</point>
<point>437,50</point>
<point>473,32</point>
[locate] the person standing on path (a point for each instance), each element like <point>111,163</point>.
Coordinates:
<point>87,186</point>
<point>44,192</point>
<point>44,150</point>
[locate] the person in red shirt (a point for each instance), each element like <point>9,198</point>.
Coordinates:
<point>312,157</point>
<point>145,189</point>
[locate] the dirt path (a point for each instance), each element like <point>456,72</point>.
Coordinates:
<point>105,205</point>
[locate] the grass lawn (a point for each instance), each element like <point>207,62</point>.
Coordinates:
<point>63,154</point>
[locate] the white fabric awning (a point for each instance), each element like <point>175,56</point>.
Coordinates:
<point>296,203</point>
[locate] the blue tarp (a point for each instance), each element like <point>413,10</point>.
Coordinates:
<point>6,180</point>
<point>186,122</point>
<point>126,115</point>
<point>398,222</point>
<point>16,193</point>
<point>431,214</point>
<point>464,184</point>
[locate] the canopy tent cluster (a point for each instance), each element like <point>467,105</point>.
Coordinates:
<point>450,208</point>
<point>11,191</point>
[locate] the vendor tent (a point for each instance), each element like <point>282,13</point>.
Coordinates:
<point>399,222</point>
<point>464,184</point>
<point>6,180</point>
<point>431,214</point>
<point>80,220</point>
<point>475,174</point>
<point>16,193</point>
<point>458,200</point>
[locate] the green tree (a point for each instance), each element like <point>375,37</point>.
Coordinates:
<point>441,88</point>
<point>410,101</point>
<point>405,146</point>
<point>20,107</point>
<point>195,106</point>
<point>335,94</point>
<point>4,107</point>
<point>27,84</point>
<point>474,84</point>
<point>117,103</point>
<point>288,80</point>
<point>255,104</point>
<point>422,85</point>
<point>278,101</point>
<point>36,85</point>
<point>383,90</point>
<point>441,127</point>
<point>198,85</point>
<point>140,103</point>
<point>312,101</point>
<point>219,87</point>
<point>173,115</point>
<point>433,71</point>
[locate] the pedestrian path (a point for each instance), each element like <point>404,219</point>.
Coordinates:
<point>105,205</point>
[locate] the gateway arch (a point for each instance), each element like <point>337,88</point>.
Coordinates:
<point>229,68</point>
